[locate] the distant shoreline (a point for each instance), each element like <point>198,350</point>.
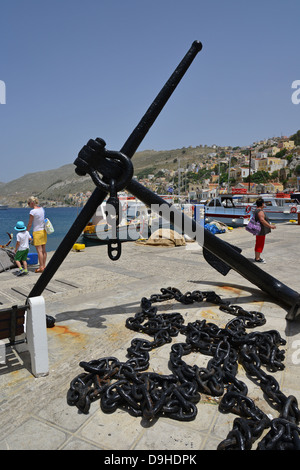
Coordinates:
<point>48,207</point>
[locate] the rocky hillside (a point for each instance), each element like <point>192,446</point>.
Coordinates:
<point>35,184</point>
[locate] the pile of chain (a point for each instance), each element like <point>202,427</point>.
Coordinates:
<point>149,395</point>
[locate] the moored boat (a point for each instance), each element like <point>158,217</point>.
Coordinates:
<point>277,207</point>
<point>224,209</point>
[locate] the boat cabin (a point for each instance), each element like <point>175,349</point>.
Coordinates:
<point>224,200</point>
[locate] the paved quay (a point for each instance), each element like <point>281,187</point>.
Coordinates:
<point>90,298</point>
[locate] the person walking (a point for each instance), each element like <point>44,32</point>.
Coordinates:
<point>22,247</point>
<point>37,222</point>
<point>266,228</point>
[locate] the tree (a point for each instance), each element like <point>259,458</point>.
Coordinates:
<point>281,153</point>
<point>275,175</point>
<point>258,177</point>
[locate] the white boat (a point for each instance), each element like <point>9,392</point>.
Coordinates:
<point>276,207</point>
<point>224,209</point>
<point>3,207</point>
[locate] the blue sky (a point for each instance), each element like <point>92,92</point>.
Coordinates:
<point>77,70</point>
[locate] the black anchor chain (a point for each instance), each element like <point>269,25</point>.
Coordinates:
<point>150,395</point>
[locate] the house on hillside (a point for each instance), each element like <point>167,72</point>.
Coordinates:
<point>261,155</point>
<point>214,178</point>
<point>289,145</point>
<point>194,190</point>
<point>197,191</point>
<point>245,186</point>
<point>274,187</point>
<point>271,164</point>
<point>256,164</point>
<point>268,164</point>
<point>269,188</point>
<point>272,151</point>
<point>240,172</point>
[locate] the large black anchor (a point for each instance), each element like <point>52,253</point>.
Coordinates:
<point>114,166</point>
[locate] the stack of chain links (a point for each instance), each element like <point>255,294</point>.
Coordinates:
<point>150,395</point>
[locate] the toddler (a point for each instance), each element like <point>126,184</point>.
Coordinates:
<point>22,247</point>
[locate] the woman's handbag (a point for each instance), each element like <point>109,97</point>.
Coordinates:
<point>253,226</point>
<point>48,227</point>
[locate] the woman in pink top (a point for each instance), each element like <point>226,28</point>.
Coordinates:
<point>37,221</point>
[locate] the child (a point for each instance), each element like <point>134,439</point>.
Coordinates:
<point>22,247</point>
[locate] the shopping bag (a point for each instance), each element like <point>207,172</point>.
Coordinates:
<point>48,227</point>
<point>253,226</point>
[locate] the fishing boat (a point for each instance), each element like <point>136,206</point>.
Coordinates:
<point>278,207</point>
<point>224,209</point>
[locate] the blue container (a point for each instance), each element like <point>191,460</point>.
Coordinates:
<point>32,258</point>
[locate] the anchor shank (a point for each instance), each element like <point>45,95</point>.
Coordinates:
<point>139,133</point>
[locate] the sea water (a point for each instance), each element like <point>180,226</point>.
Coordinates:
<point>61,218</point>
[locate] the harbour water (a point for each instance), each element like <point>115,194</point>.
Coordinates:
<point>61,218</point>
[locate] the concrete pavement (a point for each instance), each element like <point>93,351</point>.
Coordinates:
<point>90,298</point>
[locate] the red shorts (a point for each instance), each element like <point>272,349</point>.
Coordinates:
<point>260,243</point>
